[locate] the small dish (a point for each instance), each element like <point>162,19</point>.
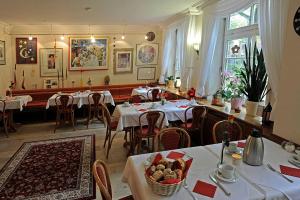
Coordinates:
<point>217,174</point>
<point>295,159</point>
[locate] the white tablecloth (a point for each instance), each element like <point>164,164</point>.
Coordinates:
<point>273,185</point>
<point>204,162</point>
<point>16,102</point>
<point>82,99</point>
<point>143,91</point>
<point>129,116</point>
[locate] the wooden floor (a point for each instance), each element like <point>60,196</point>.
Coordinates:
<point>36,132</point>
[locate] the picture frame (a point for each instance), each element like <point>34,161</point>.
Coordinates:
<point>50,83</point>
<point>146,73</point>
<point>26,51</point>
<point>147,54</point>
<point>51,61</point>
<point>87,55</point>
<point>123,60</point>
<point>2,53</point>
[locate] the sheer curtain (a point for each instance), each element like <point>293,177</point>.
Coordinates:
<point>168,53</point>
<point>272,29</point>
<point>211,50</point>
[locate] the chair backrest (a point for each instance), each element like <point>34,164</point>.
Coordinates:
<point>154,94</point>
<point>154,120</point>
<point>198,113</point>
<point>106,114</point>
<point>137,99</point>
<point>64,102</point>
<point>96,97</point>
<point>172,138</point>
<point>233,128</point>
<point>2,106</point>
<point>170,96</point>
<point>102,179</point>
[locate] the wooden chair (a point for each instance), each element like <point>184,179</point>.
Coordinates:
<point>137,99</point>
<point>154,121</point>
<point>172,138</point>
<point>233,128</point>
<point>64,108</point>
<point>153,95</point>
<point>111,125</point>
<point>4,116</point>
<point>94,107</point>
<point>102,179</point>
<point>196,124</point>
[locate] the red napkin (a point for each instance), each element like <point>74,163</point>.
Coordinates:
<point>136,104</point>
<point>290,171</point>
<point>157,158</point>
<point>175,155</point>
<point>241,144</point>
<point>142,110</point>
<point>184,106</point>
<point>205,189</point>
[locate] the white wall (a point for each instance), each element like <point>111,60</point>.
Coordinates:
<point>287,123</point>
<point>134,35</point>
<point>5,70</point>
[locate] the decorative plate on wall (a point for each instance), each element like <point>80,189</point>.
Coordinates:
<point>297,22</point>
<point>146,54</point>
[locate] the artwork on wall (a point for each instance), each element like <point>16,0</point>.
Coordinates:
<point>2,53</point>
<point>123,60</point>
<point>146,73</point>
<point>26,51</point>
<point>50,83</point>
<point>87,55</point>
<point>147,54</point>
<point>51,61</point>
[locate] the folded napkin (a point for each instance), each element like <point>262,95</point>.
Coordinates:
<point>183,106</point>
<point>241,144</point>
<point>175,155</point>
<point>142,110</point>
<point>205,189</point>
<point>290,171</point>
<point>136,104</point>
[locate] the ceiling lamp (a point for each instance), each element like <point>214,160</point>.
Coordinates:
<point>62,37</point>
<point>30,37</point>
<point>123,37</point>
<point>146,37</point>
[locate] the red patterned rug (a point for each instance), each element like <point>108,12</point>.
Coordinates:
<point>51,169</point>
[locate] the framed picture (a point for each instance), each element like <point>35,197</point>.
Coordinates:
<point>2,53</point>
<point>87,55</point>
<point>146,73</point>
<point>51,61</point>
<point>123,62</point>
<point>146,54</point>
<point>26,51</point>
<point>50,83</point>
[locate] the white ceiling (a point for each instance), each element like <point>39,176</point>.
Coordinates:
<point>135,12</point>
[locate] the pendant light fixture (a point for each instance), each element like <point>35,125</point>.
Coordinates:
<point>93,40</point>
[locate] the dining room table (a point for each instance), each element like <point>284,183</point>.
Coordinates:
<point>82,98</point>
<point>12,104</point>
<point>143,91</point>
<point>252,182</point>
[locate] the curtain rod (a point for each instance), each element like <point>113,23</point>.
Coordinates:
<point>59,34</point>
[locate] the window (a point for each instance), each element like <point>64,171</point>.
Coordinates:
<point>241,30</point>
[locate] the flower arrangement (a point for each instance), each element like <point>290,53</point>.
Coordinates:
<point>191,93</point>
<point>232,85</point>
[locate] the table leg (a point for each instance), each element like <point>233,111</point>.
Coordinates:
<point>132,142</point>
<point>10,123</point>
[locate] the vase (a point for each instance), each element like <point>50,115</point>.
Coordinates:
<point>236,103</point>
<point>171,84</point>
<point>251,108</point>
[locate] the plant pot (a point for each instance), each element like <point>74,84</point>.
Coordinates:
<point>251,108</point>
<point>236,103</point>
<point>171,84</point>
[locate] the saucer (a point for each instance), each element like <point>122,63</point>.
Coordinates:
<point>237,151</point>
<point>217,174</point>
<point>295,159</point>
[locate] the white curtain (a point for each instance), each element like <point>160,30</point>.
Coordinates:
<point>211,50</point>
<point>168,54</point>
<point>272,30</point>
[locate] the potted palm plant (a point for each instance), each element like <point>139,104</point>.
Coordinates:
<point>255,78</point>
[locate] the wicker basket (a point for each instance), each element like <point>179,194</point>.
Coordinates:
<point>163,189</point>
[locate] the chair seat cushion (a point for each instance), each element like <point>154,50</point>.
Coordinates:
<point>114,123</point>
<point>145,132</point>
<point>189,125</point>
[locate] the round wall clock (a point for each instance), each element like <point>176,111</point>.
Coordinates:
<point>150,36</point>
<point>297,22</point>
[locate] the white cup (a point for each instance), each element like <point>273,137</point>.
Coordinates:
<point>227,171</point>
<point>232,148</point>
<point>126,103</point>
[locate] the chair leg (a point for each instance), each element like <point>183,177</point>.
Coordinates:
<point>106,137</point>
<point>139,147</point>
<point>5,123</point>
<point>73,120</point>
<point>57,121</point>
<point>88,118</point>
